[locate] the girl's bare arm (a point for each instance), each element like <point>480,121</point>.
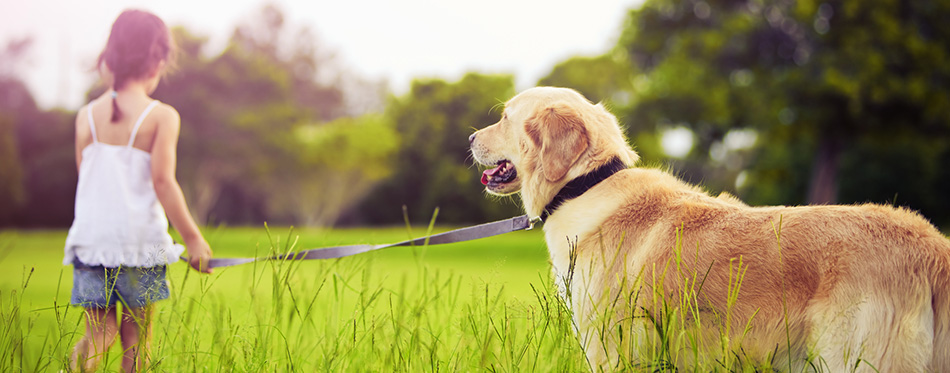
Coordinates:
<point>164,161</point>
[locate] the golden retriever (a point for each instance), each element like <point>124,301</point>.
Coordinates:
<point>643,258</point>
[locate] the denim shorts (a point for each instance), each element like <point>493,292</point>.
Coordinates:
<point>102,287</point>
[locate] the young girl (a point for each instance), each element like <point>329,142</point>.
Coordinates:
<point>125,151</point>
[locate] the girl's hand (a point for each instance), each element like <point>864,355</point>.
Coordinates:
<point>199,253</point>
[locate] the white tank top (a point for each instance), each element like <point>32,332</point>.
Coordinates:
<point>118,218</point>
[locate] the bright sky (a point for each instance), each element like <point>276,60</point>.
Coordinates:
<point>391,40</point>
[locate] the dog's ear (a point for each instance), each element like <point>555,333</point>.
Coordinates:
<point>560,133</point>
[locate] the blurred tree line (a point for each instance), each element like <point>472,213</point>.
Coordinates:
<point>782,102</point>
<point>788,102</point>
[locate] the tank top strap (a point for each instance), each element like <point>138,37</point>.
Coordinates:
<point>141,119</point>
<point>92,125</point>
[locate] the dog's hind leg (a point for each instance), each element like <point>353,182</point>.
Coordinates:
<point>909,338</point>
<point>877,333</point>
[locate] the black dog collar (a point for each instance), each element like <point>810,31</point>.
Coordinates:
<point>582,184</point>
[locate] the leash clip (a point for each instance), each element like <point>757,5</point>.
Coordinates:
<point>532,222</point>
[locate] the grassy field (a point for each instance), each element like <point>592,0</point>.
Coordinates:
<point>484,305</point>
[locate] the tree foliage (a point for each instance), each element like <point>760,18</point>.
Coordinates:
<point>337,164</point>
<point>606,78</point>
<point>787,102</point>
<point>824,83</point>
<point>37,171</point>
<point>246,110</point>
<point>237,112</point>
<point>432,167</point>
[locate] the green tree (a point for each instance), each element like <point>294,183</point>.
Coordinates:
<point>433,167</point>
<point>237,112</point>
<point>338,163</point>
<point>242,112</point>
<point>826,78</point>
<point>606,78</point>
<point>298,53</point>
<point>15,101</point>
<point>37,169</point>
<point>12,193</point>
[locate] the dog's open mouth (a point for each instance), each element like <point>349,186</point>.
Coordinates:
<point>502,174</point>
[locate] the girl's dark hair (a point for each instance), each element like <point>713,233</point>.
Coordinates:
<point>138,43</point>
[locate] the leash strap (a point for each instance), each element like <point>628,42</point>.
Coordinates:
<point>518,223</point>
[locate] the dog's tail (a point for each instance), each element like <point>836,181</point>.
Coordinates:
<point>940,290</point>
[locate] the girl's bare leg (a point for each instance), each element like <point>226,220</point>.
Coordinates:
<point>136,332</point>
<point>101,329</point>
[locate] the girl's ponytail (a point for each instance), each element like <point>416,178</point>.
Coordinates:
<point>137,46</point>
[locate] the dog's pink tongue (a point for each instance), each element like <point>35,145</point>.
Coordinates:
<point>488,174</point>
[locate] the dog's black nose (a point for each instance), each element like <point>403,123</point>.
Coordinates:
<point>471,138</point>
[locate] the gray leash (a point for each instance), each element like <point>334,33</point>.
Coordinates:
<point>518,223</point>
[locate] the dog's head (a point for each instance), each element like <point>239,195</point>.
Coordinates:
<point>547,137</point>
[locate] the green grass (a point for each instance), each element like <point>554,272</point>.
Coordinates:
<point>485,305</point>
<point>480,305</point>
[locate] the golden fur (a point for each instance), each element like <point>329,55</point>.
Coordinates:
<point>833,284</point>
